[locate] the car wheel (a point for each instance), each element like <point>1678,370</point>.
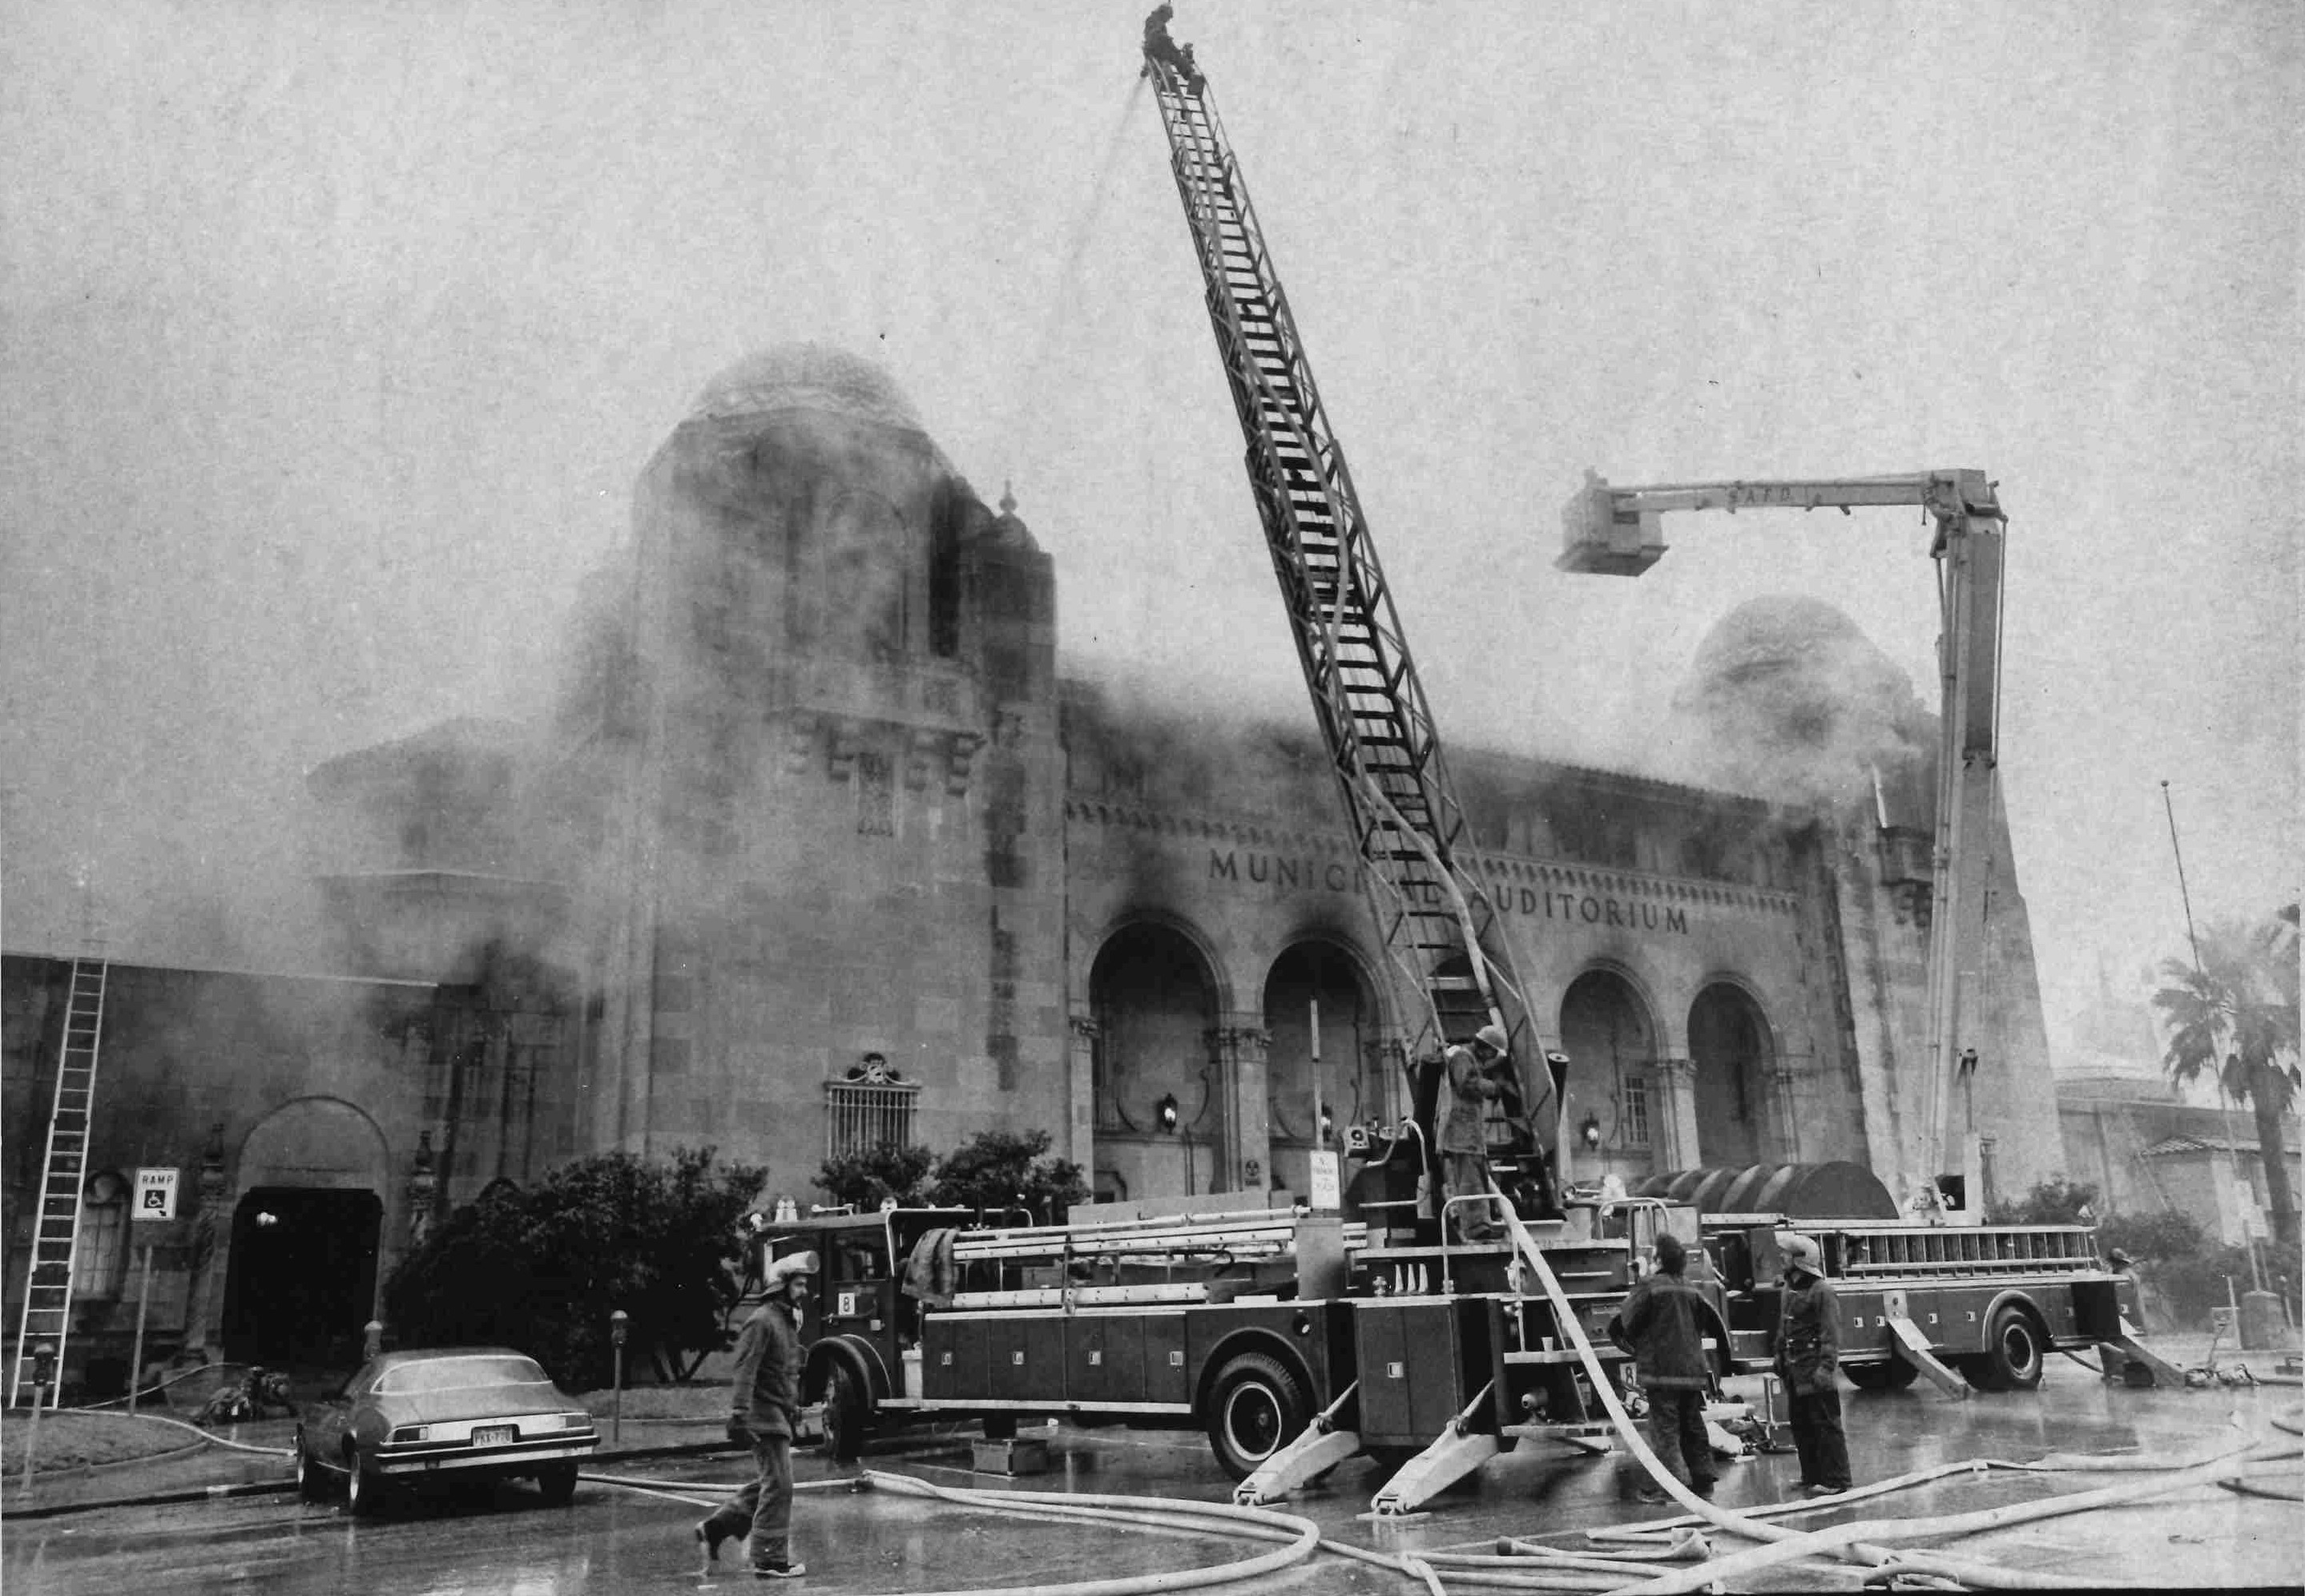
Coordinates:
<point>312,1481</point>
<point>2013,1359</point>
<point>844,1416</point>
<point>365,1489</point>
<point>557,1481</point>
<point>1256,1408</point>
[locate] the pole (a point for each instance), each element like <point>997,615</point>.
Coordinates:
<point>136,1358</point>
<point>2200,982</point>
<point>32,1439</point>
<point>1319,1141</point>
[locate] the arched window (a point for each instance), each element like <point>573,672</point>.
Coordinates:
<point>97,1265</point>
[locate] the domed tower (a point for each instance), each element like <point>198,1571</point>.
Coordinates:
<point>1788,699</point>
<point>813,785</point>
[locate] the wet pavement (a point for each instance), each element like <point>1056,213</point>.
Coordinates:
<point>505,1540</point>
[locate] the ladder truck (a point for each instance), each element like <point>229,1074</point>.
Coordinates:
<point>1294,1340</point>
<point>1613,530</point>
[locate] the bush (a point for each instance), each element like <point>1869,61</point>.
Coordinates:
<point>1000,1169</point>
<point>2056,1202</point>
<point>993,1171</point>
<point>541,1269</point>
<point>865,1180</point>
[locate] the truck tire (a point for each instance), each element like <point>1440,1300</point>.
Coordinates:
<point>2015,1352</point>
<point>1257,1406</point>
<point>1890,1374</point>
<point>845,1417</point>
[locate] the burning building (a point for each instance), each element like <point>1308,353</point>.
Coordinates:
<point>819,850</point>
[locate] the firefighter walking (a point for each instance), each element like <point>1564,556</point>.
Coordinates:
<point>765,1410</point>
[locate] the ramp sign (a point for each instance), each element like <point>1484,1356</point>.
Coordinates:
<point>156,1194</point>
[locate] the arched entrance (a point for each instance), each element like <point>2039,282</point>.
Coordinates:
<point>1611,1040</point>
<point>299,1283</point>
<point>1159,1117</point>
<point>1733,1053</point>
<point>302,1280</point>
<point>1318,983</point>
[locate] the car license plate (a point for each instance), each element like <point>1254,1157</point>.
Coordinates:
<point>495,1435</point>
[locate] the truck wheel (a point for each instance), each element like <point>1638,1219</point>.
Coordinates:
<point>1256,1408</point>
<point>1890,1374</point>
<point>1388,1460</point>
<point>845,1418</point>
<point>2013,1353</point>
<point>557,1481</point>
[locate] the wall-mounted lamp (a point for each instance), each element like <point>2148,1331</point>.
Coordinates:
<point>1591,1131</point>
<point>1165,1110</point>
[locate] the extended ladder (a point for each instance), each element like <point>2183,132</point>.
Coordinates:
<point>55,1240</point>
<point>1440,930</point>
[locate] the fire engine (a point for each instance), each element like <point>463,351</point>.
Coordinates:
<point>1249,1324</point>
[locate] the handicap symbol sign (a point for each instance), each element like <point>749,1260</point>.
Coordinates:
<point>156,1194</point>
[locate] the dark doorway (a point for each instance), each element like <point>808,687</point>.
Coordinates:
<point>301,1282</point>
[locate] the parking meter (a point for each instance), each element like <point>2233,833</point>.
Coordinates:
<point>618,1324</point>
<point>44,1364</point>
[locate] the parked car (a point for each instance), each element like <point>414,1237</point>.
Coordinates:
<point>458,1413</point>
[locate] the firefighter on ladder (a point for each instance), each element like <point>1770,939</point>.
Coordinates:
<point>1473,1083</point>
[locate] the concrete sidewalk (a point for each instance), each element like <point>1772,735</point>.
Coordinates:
<point>216,1470</point>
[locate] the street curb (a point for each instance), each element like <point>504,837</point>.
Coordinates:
<point>209,1493</point>
<point>81,1471</point>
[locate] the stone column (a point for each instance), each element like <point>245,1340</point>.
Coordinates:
<point>1081,1074</point>
<point>1673,1118</point>
<point>1783,1080</point>
<point>1238,1046</point>
<point>211,1237</point>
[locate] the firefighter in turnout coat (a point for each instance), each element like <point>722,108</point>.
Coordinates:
<point>765,1412</point>
<point>1663,1325</point>
<point>1809,1361</point>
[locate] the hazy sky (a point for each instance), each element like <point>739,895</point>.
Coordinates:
<point>335,337</point>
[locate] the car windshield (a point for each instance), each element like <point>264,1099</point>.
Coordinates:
<point>461,1374</point>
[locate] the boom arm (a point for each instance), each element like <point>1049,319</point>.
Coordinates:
<point>1441,933</point>
<point>1612,530</point>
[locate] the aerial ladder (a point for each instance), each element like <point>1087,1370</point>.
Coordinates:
<point>1442,935</point>
<point>1612,530</point>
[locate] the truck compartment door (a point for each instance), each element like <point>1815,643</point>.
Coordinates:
<point>1411,1370</point>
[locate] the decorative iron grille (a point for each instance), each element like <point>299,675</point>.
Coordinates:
<point>873,1109</point>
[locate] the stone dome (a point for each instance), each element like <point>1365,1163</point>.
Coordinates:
<point>1793,699</point>
<point>815,376</point>
<point>1777,632</point>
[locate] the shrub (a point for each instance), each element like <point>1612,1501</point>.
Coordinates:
<point>2053,1201</point>
<point>993,1171</point>
<point>865,1180</point>
<point>541,1269</point>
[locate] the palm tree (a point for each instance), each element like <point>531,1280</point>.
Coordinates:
<point>2233,1013</point>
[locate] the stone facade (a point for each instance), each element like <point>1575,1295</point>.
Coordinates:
<point>817,848</point>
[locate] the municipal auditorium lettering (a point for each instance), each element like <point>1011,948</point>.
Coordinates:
<point>1334,875</point>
